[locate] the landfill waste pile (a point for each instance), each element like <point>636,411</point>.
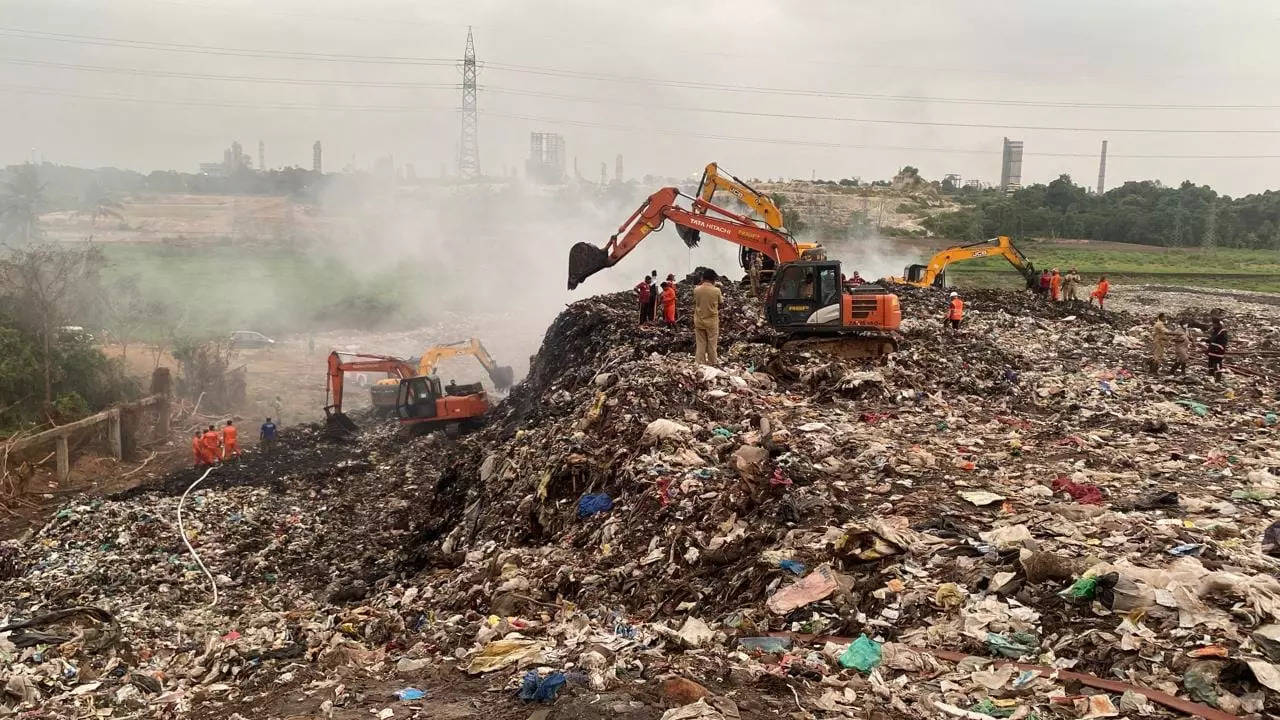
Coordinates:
<point>1017,519</point>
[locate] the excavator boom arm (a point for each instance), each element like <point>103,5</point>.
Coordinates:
<point>585,259</point>
<point>713,179</point>
<point>364,363</point>
<point>1003,247</point>
<point>502,376</point>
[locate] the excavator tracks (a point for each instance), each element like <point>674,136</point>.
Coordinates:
<point>848,347</point>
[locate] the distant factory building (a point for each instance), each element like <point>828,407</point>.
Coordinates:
<point>1011,166</point>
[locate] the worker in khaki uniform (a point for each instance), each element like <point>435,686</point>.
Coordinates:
<point>1159,339</point>
<point>706,319</point>
<point>1181,342</point>
<point>754,268</point>
<point>1070,283</point>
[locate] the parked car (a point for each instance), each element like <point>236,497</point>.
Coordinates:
<point>250,340</point>
<point>74,333</point>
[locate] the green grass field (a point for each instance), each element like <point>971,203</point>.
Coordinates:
<point>1128,264</point>
<point>273,290</point>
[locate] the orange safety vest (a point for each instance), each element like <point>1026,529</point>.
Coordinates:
<point>1103,288</point>
<point>229,436</point>
<point>197,448</point>
<point>211,443</point>
<point>957,309</point>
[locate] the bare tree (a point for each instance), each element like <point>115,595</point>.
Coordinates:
<point>98,204</point>
<point>128,315</point>
<point>43,280</point>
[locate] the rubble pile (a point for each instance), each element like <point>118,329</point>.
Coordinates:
<point>788,533</point>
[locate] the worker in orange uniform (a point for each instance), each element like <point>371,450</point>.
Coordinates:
<point>197,449</point>
<point>229,446</point>
<point>1055,286</point>
<point>669,303</point>
<point>1100,293</point>
<point>955,313</point>
<point>212,442</point>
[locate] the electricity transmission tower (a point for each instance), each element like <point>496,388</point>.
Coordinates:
<point>469,147</point>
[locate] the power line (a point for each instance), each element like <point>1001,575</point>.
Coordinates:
<point>607,77</point>
<point>678,108</point>
<point>230,78</point>
<point>592,124</point>
<point>876,121</point>
<point>216,50</point>
<point>755,89</point>
<point>223,104</point>
<point>824,144</point>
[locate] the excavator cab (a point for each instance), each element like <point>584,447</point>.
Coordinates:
<point>801,290</point>
<point>417,398</point>
<point>809,301</point>
<point>916,273</point>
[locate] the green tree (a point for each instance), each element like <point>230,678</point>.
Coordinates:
<point>43,282</point>
<point>20,206</point>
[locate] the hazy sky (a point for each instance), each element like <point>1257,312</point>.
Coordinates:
<point>767,89</point>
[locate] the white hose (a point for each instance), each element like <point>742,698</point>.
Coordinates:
<point>183,530</point>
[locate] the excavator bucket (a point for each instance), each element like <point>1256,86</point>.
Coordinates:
<point>690,236</point>
<point>338,422</point>
<point>503,377</point>
<point>585,260</point>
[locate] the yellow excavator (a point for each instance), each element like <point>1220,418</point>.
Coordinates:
<point>386,393</point>
<point>934,274</point>
<point>714,179</point>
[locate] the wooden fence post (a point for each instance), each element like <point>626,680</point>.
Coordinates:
<point>64,459</point>
<point>113,433</point>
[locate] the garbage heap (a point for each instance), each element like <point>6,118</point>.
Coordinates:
<point>788,533</point>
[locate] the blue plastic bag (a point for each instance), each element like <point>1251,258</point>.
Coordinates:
<point>549,686</point>
<point>792,566</point>
<point>541,689</point>
<point>589,505</point>
<point>528,685</point>
<point>410,694</point>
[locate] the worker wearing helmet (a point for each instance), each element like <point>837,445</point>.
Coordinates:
<point>955,312</point>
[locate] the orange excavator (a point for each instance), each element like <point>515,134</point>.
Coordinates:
<point>807,300</point>
<point>415,395</point>
<point>342,363</point>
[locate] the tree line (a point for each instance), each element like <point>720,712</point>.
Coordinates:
<point>1146,213</point>
<point>53,298</point>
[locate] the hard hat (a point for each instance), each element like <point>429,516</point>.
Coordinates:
<point>955,294</point>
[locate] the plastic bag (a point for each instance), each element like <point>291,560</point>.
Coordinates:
<point>589,505</point>
<point>862,654</point>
